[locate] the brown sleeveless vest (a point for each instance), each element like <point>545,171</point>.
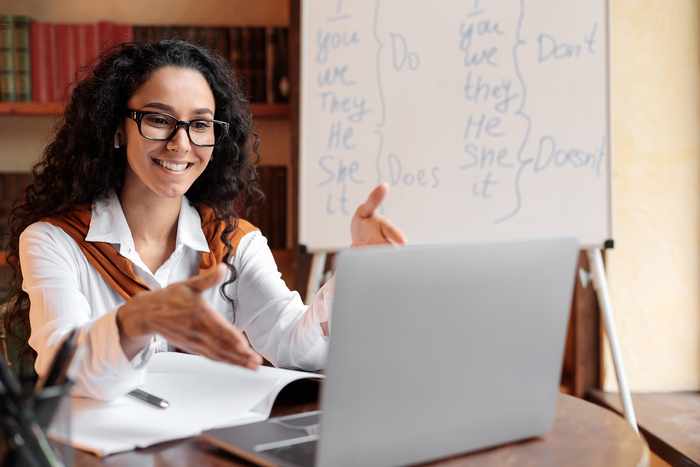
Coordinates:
<point>118,271</point>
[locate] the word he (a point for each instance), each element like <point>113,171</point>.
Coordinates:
<point>340,137</point>
<point>477,126</point>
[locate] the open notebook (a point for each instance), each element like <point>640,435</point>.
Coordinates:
<point>203,394</point>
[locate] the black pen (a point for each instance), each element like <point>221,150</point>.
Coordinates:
<point>58,370</point>
<point>149,398</point>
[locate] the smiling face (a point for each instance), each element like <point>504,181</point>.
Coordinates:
<point>168,168</point>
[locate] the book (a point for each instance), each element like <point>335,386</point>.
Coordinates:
<point>53,65</point>
<point>22,59</point>
<point>12,187</point>
<point>270,65</point>
<point>87,48</point>
<point>66,60</point>
<point>110,34</point>
<point>7,58</point>
<point>202,394</point>
<point>259,64</point>
<point>245,71</point>
<point>214,39</point>
<point>42,90</point>
<point>281,83</point>
<point>271,216</point>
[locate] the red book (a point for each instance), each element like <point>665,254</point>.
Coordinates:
<point>86,47</point>
<point>54,84</point>
<point>111,34</point>
<point>92,46</point>
<point>104,35</point>
<point>122,33</point>
<point>65,43</point>
<point>40,56</point>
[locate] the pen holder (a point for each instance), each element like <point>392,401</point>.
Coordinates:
<point>52,411</point>
<point>25,423</point>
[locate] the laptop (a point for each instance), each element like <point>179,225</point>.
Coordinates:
<point>435,350</point>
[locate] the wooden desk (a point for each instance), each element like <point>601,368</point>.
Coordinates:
<point>583,435</point>
<point>670,421</point>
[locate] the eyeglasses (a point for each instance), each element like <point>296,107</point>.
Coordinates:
<point>162,127</point>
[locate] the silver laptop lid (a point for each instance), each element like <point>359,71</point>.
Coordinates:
<point>438,350</point>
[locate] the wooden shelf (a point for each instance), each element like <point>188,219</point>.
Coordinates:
<point>270,110</point>
<point>56,108</point>
<point>31,108</point>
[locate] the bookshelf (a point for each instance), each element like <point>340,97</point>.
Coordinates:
<point>27,122</point>
<point>56,108</point>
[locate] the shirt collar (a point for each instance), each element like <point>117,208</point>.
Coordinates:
<point>108,224</point>
<point>189,228</point>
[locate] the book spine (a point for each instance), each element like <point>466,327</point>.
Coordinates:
<point>282,83</point>
<point>92,45</point>
<point>141,34</point>
<point>65,64</point>
<point>40,62</point>
<point>260,66</point>
<point>122,33</point>
<point>23,64</point>
<point>269,65</point>
<point>54,84</point>
<point>271,217</point>
<point>73,62</point>
<point>220,43</point>
<point>7,70</point>
<point>104,34</point>
<point>245,63</point>
<point>3,82</point>
<point>234,52</point>
<point>81,49</point>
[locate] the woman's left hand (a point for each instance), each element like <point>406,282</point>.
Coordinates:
<point>368,227</point>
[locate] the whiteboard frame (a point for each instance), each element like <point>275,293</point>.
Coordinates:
<point>607,243</point>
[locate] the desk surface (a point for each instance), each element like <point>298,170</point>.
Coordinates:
<point>670,421</point>
<point>583,435</point>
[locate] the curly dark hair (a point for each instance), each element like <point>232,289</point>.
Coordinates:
<point>81,164</point>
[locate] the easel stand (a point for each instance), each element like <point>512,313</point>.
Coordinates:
<point>595,259</point>
<point>318,263</point>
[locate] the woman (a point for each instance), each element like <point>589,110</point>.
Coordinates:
<point>130,229</point>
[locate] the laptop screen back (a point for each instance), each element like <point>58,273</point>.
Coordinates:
<point>438,350</point>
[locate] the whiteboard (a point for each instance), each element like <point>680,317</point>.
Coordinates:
<point>489,119</point>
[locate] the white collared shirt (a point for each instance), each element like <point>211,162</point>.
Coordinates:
<point>66,291</point>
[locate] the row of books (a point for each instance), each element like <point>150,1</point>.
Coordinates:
<point>41,61</point>
<point>258,55</point>
<point>12,186</point>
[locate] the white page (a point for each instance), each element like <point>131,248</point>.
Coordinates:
<point>202,394</point>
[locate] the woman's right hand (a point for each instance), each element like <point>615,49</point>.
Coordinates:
<point>180,314</point>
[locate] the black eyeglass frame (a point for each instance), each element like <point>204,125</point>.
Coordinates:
<point>137,116</point>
